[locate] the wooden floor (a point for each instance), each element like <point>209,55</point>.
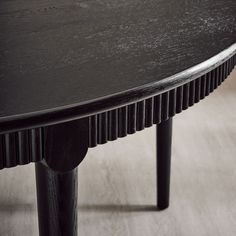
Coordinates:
<point>117,181</point>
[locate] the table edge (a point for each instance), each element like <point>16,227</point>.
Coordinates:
<point>92,107</point>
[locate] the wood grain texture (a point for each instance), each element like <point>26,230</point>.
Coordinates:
<point>164,148</point>
<point>65,145</point>
<point>140,115</point>
<point>21,148</point>
<point>110,125</point>
<point>116,199</point>
<point>57,201</point>
<point>64,60</point>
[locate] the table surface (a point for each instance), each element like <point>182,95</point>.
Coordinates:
<point>57,55</point>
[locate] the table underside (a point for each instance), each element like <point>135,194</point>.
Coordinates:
<point>23,147</point>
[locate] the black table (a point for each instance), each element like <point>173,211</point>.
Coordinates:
<point>75,74</point>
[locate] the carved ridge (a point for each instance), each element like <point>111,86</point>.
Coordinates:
<point>20,148</point>
<point>23,147</point>
<point>120,122</point>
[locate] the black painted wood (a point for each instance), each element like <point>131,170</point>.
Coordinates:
<point>154,110</point>
<point>110,68</point>
<point>57,201</point>
<point>66,144</point>
<point>20,148</point>
<point>64,60</point>
<point>164,140</point>
<point>116,123</point>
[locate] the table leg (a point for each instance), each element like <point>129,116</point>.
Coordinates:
<point>164,138</point>
<point>57,201</point>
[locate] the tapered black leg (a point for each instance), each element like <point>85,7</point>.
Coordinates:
<point>164,138</point>
<point>57,201</point>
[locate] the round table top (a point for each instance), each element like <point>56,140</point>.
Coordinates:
<point>61,60</point>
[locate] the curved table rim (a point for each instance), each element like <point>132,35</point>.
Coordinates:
<point>80,110</point>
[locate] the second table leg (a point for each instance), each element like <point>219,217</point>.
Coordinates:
<point>164,140</point>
